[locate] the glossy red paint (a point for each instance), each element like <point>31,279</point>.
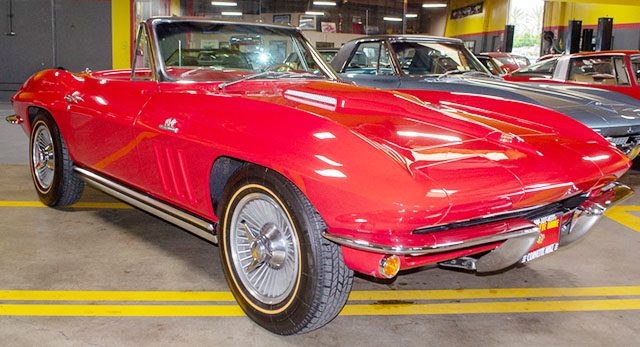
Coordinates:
<point>561,75</point>
<point>376,165</point>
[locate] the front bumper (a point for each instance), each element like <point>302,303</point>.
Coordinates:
<point>510,240</point>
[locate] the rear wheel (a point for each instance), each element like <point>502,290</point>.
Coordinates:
<point>283,273</point>
<point>51,167</point>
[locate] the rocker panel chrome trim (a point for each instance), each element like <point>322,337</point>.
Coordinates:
<point>190,223</point>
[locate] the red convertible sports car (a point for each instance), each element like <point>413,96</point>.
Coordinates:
<point>302,179</point>
<point>613,70</point>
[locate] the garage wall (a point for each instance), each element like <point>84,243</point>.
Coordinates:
<point>75,34</point>
<point>626,20</point>
<point>485,29</point>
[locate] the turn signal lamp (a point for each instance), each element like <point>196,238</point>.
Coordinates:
<point>389,266</point>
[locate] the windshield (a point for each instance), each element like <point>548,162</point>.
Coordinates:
<point>432,58</point>
<point>207,51</point>
<point>544,67</point>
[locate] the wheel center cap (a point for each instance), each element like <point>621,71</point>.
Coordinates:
<point>259,250</point>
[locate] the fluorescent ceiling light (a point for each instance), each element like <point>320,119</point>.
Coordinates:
<point>411,15</point>
<point>392,19</point>
<point>433,5</point>
<point>324,3</point>
<point>232,13</point>
<point>314,13</point>
<point>224,3</point>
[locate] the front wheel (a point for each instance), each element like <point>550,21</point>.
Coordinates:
<point>50,164</point>
<point>283,273</point>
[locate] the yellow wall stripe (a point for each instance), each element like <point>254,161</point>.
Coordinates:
<point>175,8</point>
<point>374,295</point>
<point>349,310</point>
<point>121,34</point>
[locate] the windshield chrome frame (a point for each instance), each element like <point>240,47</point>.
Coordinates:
<point>327,70</point>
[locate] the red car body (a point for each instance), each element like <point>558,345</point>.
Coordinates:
<point>115,132</point>
<point>399,179</point>
<point>623,78</point>
<point>424,178</point>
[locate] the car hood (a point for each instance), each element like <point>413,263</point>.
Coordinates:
<point>609,112</point>
<point>471,155</point>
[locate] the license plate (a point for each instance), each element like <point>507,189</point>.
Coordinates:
<point>547,242</point>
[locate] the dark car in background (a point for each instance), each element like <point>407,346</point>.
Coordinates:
<point>415,62</point>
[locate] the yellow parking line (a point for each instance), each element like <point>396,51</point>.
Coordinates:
<point>415,295</point>
<point>349,310</point>
<point>621,215</point>
<point>359,295</point>
<point>97,295</point>
<point>105,205</point>
<point>122,310</point>
<point>492,307</point>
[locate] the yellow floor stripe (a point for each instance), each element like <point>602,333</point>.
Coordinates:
<point>101,205</point>
<point>122,310</point>
<point>621,215</point>
<point>360,295</point>
<point>349,310</point>
<point>492,307</point>
<point>414,295</point>
<point>73,295</point>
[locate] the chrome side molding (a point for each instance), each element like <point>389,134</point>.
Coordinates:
<point>193,224</point>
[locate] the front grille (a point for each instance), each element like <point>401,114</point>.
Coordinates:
<point>562,206</point>
<point>618,141</point>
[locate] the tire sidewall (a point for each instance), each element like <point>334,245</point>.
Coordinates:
<point>47,196</point>
<point>276,318</point>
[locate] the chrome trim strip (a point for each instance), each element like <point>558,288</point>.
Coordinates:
<point>437,248</point>
<point>191,223</point>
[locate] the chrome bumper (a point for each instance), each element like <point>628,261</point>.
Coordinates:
<point>586,216</point>
<point>517,242</point>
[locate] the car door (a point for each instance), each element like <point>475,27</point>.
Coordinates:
<point>371,65</point>
<point>102,114</point>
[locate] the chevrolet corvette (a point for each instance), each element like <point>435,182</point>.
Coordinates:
<point>302,179</point>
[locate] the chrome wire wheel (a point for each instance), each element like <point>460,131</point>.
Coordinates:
<point>264,248</point>
<point>43,157</point>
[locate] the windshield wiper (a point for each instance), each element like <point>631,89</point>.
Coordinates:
<point>281,74</point>
<point>221,86</point>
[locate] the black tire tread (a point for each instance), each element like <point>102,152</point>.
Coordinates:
<point>72,184</point>
<point>69,185</point>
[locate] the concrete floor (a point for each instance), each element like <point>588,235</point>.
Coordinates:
<point>103,248</point>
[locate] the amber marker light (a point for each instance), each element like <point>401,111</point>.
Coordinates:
<point>389,266</point>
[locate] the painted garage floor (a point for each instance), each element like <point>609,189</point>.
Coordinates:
<point>103,274</point>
